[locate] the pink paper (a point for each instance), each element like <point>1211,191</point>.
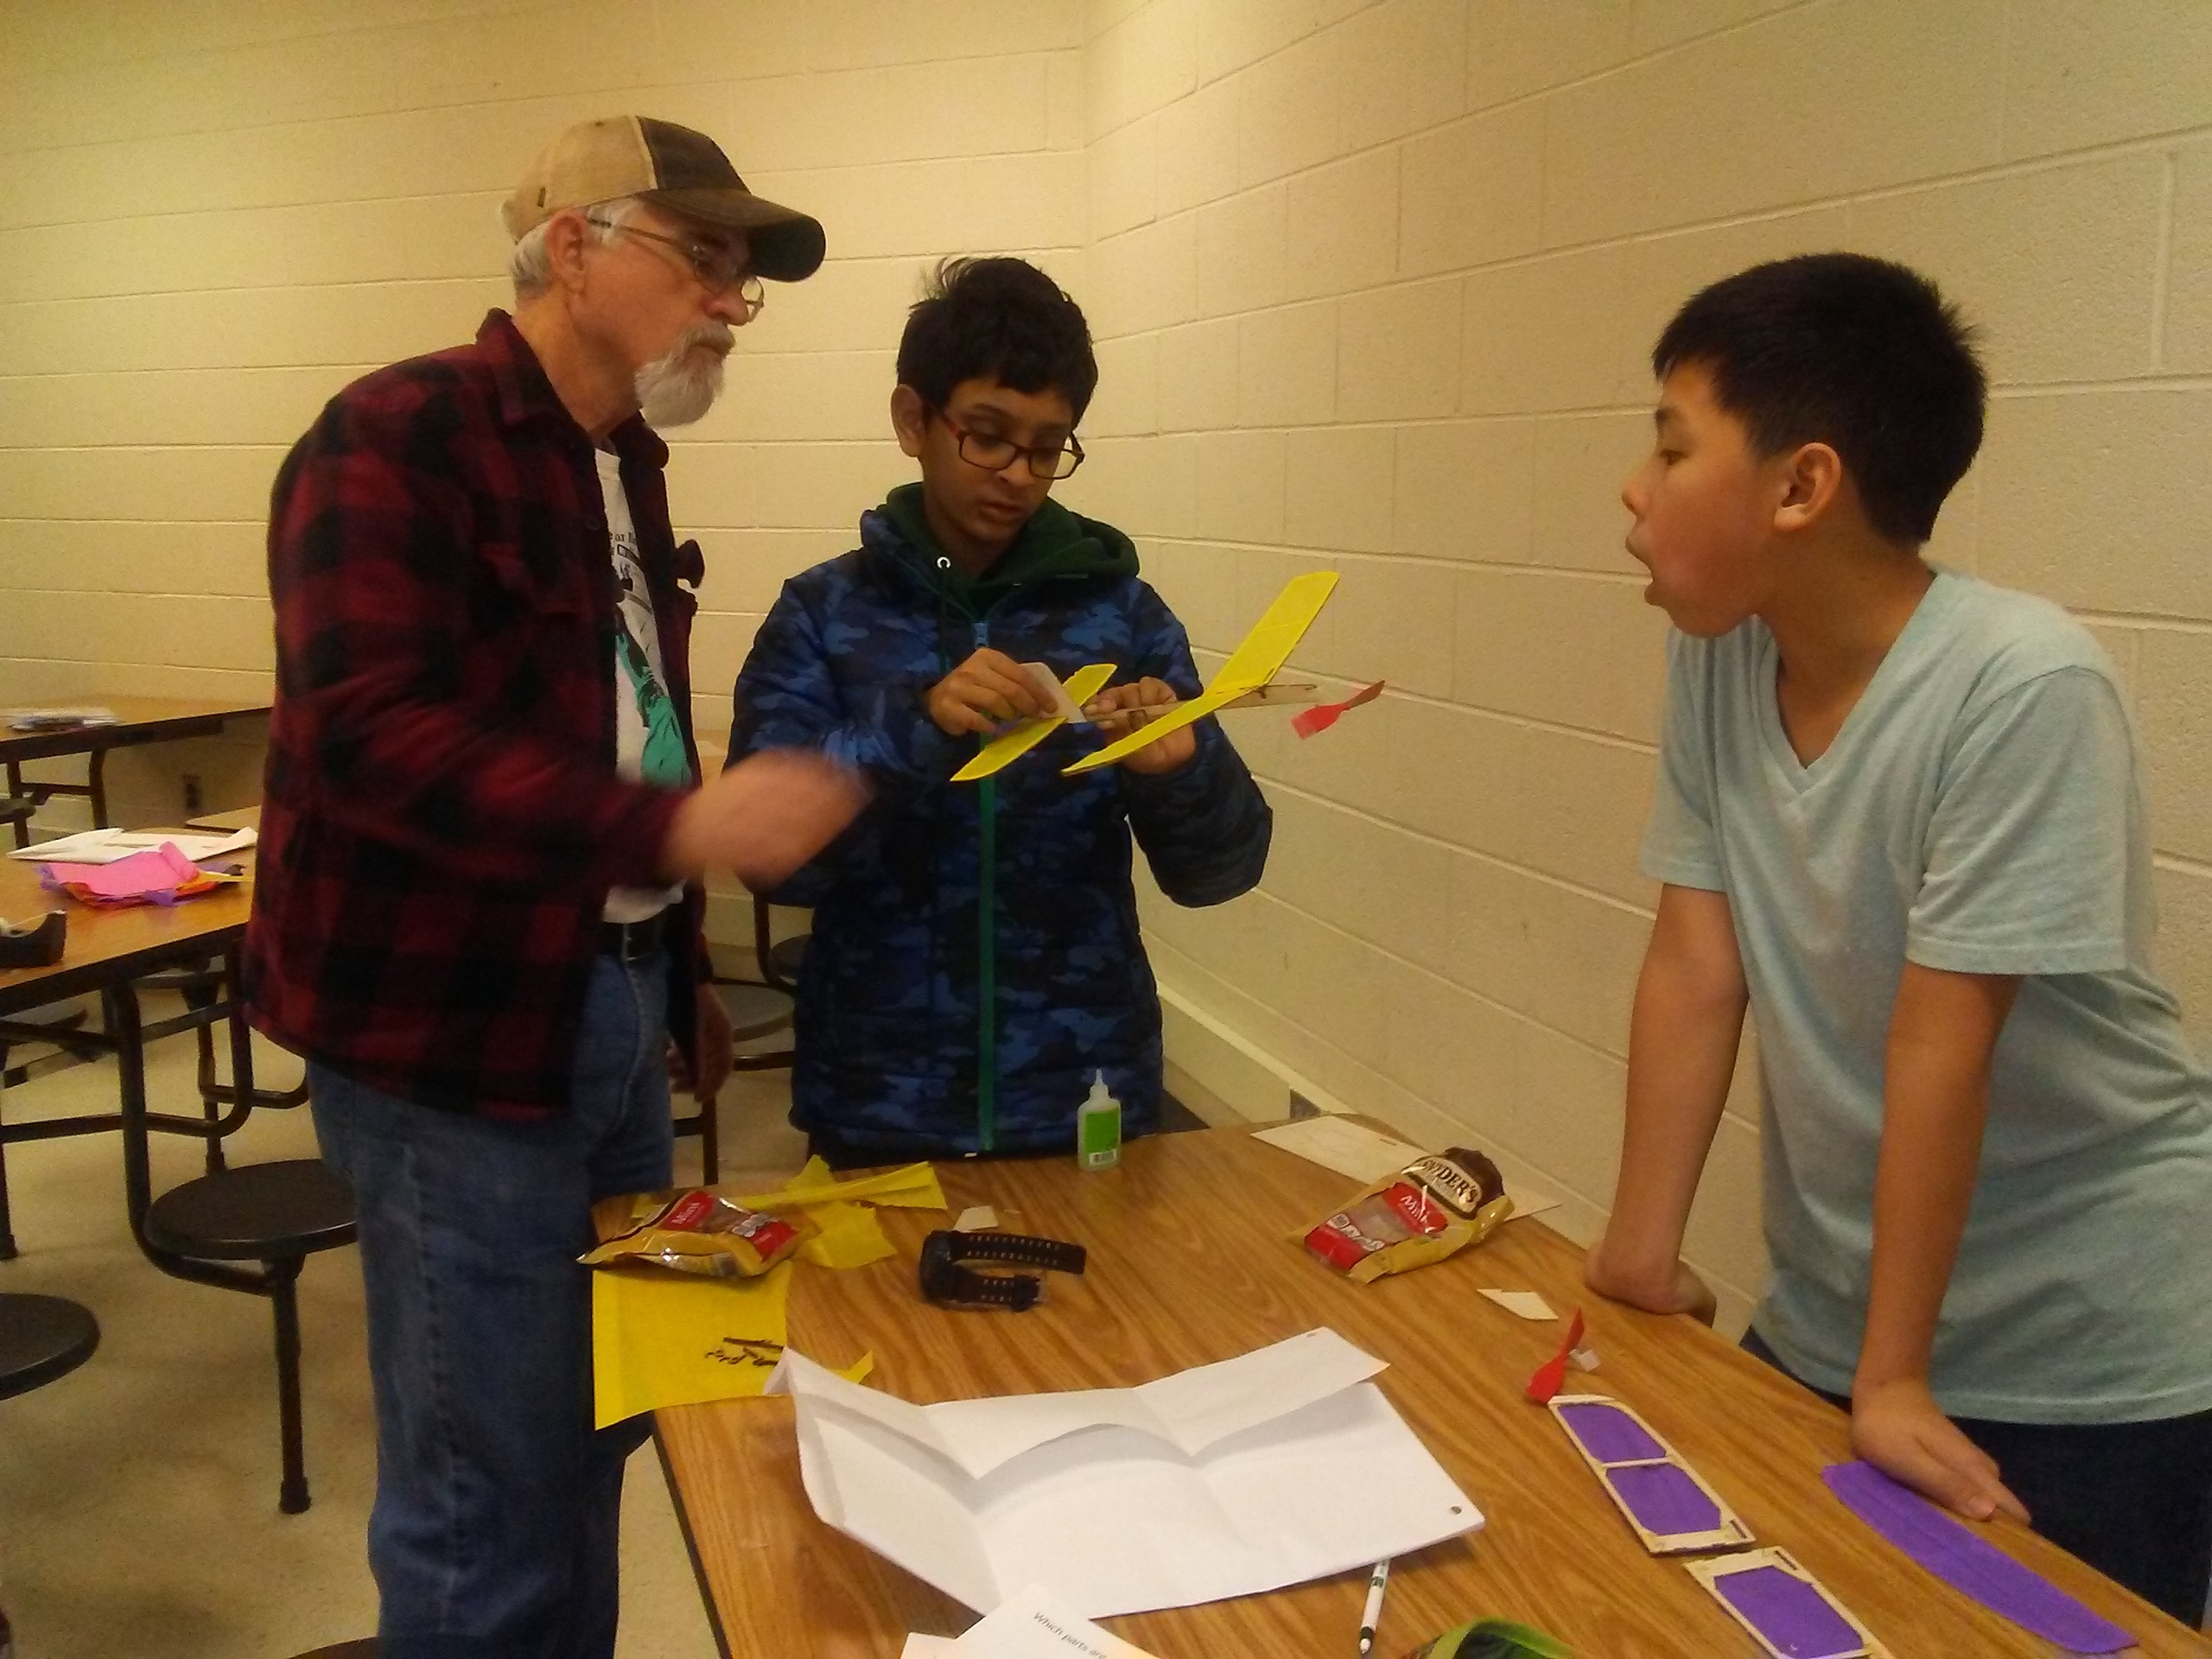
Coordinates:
<point>152,874</point>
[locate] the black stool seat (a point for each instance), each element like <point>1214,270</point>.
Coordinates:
<point>261,1211</point>
<point>43,1337</point>
<point>754,1010</point>
<point>785,957</point>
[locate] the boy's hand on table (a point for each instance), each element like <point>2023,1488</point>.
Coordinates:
<point>1121,709</point>
<point>1680,1291</point>
<point>983,694</point>
<point>1898,1427</point>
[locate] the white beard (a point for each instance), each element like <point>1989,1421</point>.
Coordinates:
<point>680,387</point>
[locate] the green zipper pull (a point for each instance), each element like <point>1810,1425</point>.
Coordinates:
<point>986,954</point>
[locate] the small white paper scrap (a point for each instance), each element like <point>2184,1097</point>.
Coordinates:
<point>1336,1143</point>
<point>1036,1625</point>
<point>1050,686</point>
<point>1525,1303</point>
<point>1584,1359</point>
<point>976,1219</point>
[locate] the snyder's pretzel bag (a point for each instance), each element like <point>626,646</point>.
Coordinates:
<point>1432,1207</point>
<point>698,1232</point>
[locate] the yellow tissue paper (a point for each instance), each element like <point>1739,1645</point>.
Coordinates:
<point>914,1187</point>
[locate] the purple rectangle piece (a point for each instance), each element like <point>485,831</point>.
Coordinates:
<point>1966,1562</point>
<point>1608,1433</point>
<point>1789,1614</point>
<point>1664,1499</point>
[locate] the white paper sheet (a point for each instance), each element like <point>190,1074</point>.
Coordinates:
<point>1036,1624</point>
<point>1337,1143</point>
<point>112,846</point>
<point>1281,1465</point>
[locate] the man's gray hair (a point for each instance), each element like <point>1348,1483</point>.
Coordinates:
<point>526,265</point>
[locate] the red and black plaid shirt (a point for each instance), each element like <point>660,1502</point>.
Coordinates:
<point>442,819</point>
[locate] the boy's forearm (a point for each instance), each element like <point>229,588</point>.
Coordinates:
<point>1687,1020</point>
<point>1935,1102</point>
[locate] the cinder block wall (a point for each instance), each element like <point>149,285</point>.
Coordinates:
<point>1373,283</point>
<point>1379,282</point>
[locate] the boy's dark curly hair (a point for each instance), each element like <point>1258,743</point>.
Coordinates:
<point>996,319</point>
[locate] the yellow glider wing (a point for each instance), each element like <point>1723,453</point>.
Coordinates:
<point>1017,740</point>
<point>1258,657</point>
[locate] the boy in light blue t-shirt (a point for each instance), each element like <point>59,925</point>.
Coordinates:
<point>1898,816</point>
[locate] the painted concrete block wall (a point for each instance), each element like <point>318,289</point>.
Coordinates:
<point>1373,282</point>
<point>1386,277</point>
<point>212,216</point>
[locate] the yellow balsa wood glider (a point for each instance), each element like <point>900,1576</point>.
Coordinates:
<point>1018,739</point>
<point>1257,660</point>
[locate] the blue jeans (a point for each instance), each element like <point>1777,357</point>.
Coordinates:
<point>496,1527</point>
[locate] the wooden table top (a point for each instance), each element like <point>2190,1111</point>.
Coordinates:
<point>244,817</point>
<point>137,720</point>
<point>1191,1262</point>
<point>105,943</point>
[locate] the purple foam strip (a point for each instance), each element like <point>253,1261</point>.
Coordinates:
<point>1610,1434</point>
<point>1974,1565</point>
<point>1789,1614</point>
<point>1664,1499</point>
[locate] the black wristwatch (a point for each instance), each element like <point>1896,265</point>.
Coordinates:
<point>949,1282</point>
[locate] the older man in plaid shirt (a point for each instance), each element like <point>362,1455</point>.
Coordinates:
<point>477,912</point>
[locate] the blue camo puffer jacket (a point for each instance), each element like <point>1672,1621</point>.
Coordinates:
<point>975,954</point>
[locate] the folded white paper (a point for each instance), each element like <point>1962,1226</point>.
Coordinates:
<point>1280,1466</point>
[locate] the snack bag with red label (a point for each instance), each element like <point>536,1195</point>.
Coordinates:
<point>1423,1213</point>
<point>697,1231</point>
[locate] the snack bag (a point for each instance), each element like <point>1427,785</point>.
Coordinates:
<point>1432,1207</point>
<point>697,1231</point>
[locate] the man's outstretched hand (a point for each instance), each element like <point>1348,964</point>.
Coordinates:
<point>763,817</point>
<point>1898,1427</point>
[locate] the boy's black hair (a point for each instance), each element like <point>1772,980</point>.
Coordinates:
<point>998,319</point>
<point>1856,353</point>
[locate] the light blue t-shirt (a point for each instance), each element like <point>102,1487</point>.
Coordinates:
<point>1979,812</point>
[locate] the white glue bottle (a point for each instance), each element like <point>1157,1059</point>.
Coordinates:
<point>1098,1128</point>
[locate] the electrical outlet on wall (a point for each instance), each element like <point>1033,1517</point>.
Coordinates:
<point>192,803</point>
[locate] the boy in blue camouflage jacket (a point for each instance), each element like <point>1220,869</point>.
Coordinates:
<point>975,954</point>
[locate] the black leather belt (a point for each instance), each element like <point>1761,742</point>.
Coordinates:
<point>634,941</point>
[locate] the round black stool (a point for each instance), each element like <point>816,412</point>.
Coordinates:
<point>277,1214</point>
<point>43,1337</point>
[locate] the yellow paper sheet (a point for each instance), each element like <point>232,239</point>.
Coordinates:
<point>661,1338</point>
<point>1018,739</point>
<point>1258,657</point>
